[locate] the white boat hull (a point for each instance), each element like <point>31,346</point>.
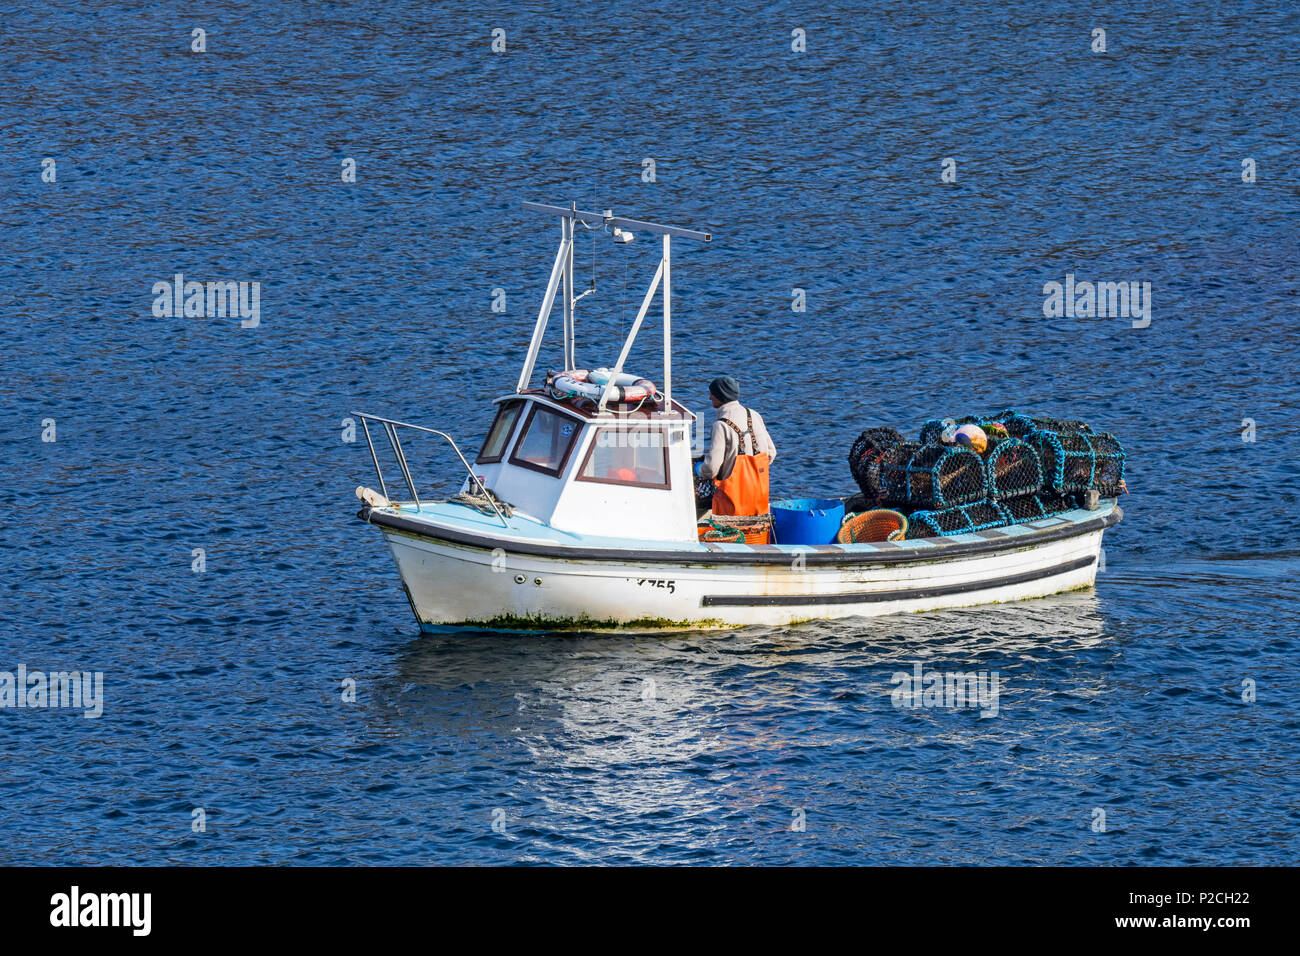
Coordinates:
<point>453,583</point>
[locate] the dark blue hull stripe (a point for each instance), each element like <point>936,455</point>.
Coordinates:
<point>875,597</point>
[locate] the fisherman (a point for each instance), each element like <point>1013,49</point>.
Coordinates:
<point>739,454</point>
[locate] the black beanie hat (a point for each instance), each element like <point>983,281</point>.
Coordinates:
<point>725,389</point>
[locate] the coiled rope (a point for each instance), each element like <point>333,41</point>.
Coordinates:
<point>483,502</point>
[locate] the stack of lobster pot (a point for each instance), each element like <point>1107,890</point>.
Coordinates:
<point>923,478</point>
<point>1031,468</point>
<point>1008,469</point>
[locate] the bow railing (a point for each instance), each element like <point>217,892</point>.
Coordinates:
<point>390,427</point>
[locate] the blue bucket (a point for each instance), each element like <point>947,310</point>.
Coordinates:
<point>807,520</point>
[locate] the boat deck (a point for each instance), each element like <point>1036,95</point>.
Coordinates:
<point>460,524</point>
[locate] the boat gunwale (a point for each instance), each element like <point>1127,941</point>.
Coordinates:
<point>940,549</point>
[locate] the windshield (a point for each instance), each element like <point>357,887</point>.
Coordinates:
<point>547,439</point>
<point>494,445</point>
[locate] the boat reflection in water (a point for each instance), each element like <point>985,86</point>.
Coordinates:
<point>705,729</point>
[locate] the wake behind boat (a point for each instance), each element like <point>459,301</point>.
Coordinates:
<point>580,508</point>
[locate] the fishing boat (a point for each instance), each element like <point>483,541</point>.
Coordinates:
<point>579,509</point>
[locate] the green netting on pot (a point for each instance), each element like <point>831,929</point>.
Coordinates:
<point>960,519</point>
<point>940,476</point>
<point>713,532</point>
<point>1012,468</point>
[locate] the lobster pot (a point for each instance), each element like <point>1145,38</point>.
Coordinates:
<point>960,519</point>
<point>933,429</point>
<point>1012,469</point>
<point>1035,507</point>
<point>1108,465</point>
<point>865,455</point>
<point>1024,426</point>
<point>885,481</point>
<point>1077,461</point>
<point>940,476</point>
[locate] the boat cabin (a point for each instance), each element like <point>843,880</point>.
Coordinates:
<point>595,452</point>
<point>570,466</point>
<point>590,452</point>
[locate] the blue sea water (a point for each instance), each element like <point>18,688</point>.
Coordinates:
<point>818,170</point>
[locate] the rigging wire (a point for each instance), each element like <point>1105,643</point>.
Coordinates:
<point>625,268</point>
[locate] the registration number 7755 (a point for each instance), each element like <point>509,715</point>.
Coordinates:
<point>671,586</point>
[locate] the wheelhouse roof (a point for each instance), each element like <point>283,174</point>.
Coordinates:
<point>585,409</point>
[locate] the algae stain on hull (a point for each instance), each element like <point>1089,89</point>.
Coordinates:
<point>534,624</point>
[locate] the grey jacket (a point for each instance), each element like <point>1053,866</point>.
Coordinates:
<point>725,443</point>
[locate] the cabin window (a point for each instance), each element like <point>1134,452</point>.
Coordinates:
<point>494,446</point>
<point>546,441</point>
<point>627,456</point>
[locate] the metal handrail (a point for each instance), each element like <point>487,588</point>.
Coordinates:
<point>390,429</point>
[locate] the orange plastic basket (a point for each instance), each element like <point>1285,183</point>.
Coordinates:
<point>879,525</point>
